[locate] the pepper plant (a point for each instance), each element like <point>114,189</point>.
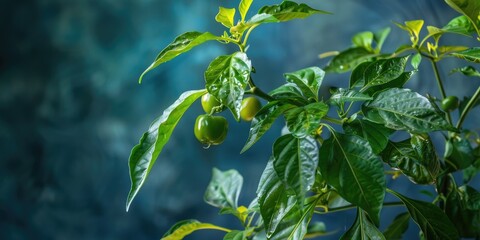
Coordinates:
<point>336,152</point>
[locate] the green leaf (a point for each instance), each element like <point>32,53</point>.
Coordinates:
<point>350,166</point>
<point>145,153</point>
<point>416,59</point>
<point>317,229</point>
<point>458,154</point>
<point>243,8</point>
<point>226,78</point>
<point>283,215</point>
<point>225,16</point>
<point>402,109</point>
<point>472,171</point>
<point>376,134</point>
<point>415,157</point>
<point>283,12</point>
<point>471,54</point>
<point>224,189</point>
<point>398,227</point>
<point>364,40</point>
<point>308,80</point>
<point>469,8</point>
<point>235,235</point>
<point>398,82</point>
<point>430,218</point>
<point>295,163</point>
<point>463,207</point>
<point>341,96</point>
<point>263,120</point>
<point>380,38</point>
<point>460,25</point>
<point>181,44</point>
<point>349,59</point>
<point>186,227</point>
<point>304,121</point>
<point>413,28</point>
<point>467,71</point>
<point>362,228</point>
<point>383,71</point>
<point>357,78</point>
<point>290,93</point>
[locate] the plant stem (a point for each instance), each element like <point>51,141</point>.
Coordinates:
<point>467,108</point>
<point>440,85</point>
<point>338,209</point>
<point>257,91</point>
<point>248,35</point>
<point>333,120</point>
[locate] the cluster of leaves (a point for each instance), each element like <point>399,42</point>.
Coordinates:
<point>324,164</point>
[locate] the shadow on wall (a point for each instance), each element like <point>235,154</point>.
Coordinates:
<point>71,109</point>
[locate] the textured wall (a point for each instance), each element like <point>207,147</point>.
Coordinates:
<point>71,108</point>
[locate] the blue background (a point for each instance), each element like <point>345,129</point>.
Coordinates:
<point>71,108</point>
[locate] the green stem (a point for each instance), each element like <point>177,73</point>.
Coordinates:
<point>440,85</point>
<point>257,91</point>
<point>333,120</point>
<point>468,107</point>
<point>338,209</point>
<point>248,35</point>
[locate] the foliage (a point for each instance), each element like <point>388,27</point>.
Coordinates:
<point>338,150</point>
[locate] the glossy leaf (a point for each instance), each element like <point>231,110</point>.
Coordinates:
<point>430,218</point>
<point>303,121</point>
<point>363,39</point>
<point>243,8</point>
<point>181,44</point>
<point>283,12</point>
<point>460,25</point>
<point>263,120</point>
<point>398,227</point>
<point>398,82</point>
<point>377,135</point>
<point>295,162</point>
<point>362,228</point>
<point>186,227</point>
<point>145,153</point>
<point>458,154</point>
<point>308,80</point>
<point>402,109</point>
<point>224,189</point>
<point>281,212</point>
<point>235,235</point>
<point>471,55</point>
<point>225,16</point>
<point>349,165</point>
<point>467,71</point>
<point>341,96</point>
<point>348,59</point>
<point>357,78</point>
<point>415,157</point>
<point>290,93</point>
<point>226,78</point>
<point>383,71</point>
<point>469,8</point>
<point>463,207</point>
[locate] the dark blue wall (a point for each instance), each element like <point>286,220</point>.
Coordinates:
<point>71,108</point>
